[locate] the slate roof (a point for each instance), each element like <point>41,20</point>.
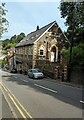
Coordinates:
<point>33,36</point>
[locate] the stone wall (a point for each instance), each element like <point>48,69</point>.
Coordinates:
<point>54,70</point>
<point>77,75</point>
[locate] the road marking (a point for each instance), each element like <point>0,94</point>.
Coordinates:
<point>24,80</point>
<point>81,101</point>
<point>12,110</point>
<point>17,106</point>
<point>3,86</point>
<point>15,77</point>
<point>45,88</point>
<point>21,79</point>
<point>22,114</point>
<point>20,104</point>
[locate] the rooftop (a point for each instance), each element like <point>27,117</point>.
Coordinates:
<point>33,36</point>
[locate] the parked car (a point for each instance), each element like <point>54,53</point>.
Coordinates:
<point>35,73</point>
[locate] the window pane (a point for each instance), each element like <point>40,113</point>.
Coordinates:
<point>41,52</point>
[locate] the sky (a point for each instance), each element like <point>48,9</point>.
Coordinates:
<point>25,16</point>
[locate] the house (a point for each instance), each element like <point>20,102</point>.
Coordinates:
<point>41,48</point>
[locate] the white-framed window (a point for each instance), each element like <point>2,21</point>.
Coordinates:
<point>41,51</point>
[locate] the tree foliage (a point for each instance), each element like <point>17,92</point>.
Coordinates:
<point>3,21</point>
<point>77,54</point>
<point>73,12</point>
<point>8,43</point>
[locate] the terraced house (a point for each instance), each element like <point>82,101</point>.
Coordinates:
<point>42,48</point>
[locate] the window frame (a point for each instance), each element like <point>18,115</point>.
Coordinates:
<point>41,50</point>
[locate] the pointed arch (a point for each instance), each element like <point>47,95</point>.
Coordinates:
<point>53,53</point>
<point>41,50</point>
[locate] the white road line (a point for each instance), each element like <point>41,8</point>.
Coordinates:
<point>24,80</point>
<point>45,88</point>
<point>21,79</point>
<point>15,77</point>
<point>81,101</point>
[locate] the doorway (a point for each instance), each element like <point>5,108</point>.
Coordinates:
<point>53,54</point>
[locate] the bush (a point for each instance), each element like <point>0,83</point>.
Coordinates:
<point>66,54</point>
<point>77,54</point>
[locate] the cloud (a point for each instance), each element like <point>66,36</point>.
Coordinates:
<point>24,17</point>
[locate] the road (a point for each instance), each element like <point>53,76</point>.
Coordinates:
<point>41,98</point>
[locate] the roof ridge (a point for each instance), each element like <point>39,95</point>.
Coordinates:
<point>27,39</point>
<point>47,25</point>
<point>42,27</point>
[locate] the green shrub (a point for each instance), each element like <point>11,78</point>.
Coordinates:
<point>77,54</point>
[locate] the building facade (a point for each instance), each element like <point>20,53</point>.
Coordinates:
<point>41,48</point>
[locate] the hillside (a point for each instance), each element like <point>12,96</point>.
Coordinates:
<point>8,43</point>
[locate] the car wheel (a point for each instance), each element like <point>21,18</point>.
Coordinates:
<point>29,76</point>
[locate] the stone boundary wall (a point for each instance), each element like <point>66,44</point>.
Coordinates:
<point>53,70</point>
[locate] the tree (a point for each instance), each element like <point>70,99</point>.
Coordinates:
<point>3,20</point>
<point>4,43</point>
<point>73,13</point>
<point>20,37</point>
<point>8,43</point>
<point>13,39</point>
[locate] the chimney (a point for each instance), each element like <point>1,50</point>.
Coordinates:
<point>37,28</point>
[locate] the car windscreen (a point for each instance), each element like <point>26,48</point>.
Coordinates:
<point>36,71</point>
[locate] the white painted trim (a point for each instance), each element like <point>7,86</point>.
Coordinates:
<point>42,46</point>
<point>45,32</point>
<point>62,31</point>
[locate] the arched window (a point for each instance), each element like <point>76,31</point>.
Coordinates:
<point>41,51</point>
<point>53,54</point>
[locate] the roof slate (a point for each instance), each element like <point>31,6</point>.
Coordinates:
<point>33,36</point>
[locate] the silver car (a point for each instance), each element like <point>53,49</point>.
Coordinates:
<point>35,73</point>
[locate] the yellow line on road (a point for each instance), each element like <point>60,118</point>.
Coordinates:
<point>12,110</point>
<point>18,102</point>
<point>3,87</point>
<point>22,114</point>
<point>17,107</point>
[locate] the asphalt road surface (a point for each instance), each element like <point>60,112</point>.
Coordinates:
<point>41,98</point>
